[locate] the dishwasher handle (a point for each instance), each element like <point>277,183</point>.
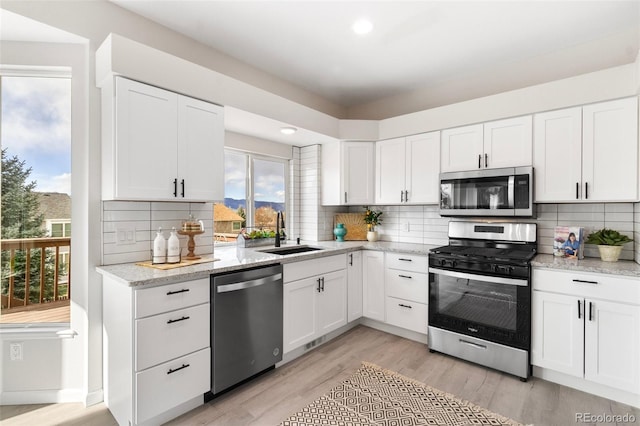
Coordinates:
<point>248,284</point>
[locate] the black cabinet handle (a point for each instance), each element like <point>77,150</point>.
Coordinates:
<point>184,290</point>
<point>405,306</point>
<point>590,311</point>
<point>322,283</point>
<point>171,321</point>
<point>401,196</point>
<point>182,183</point>
<point>405,276</point>
<point>479,161</point>
<point>318,285</point>
<point>486,160</point>
<point>406,196</point>
<point>579,316</point>
<point>350,259</point>
<point>577,190</point>
<point>175,187</point>
<point>178,369</point>
<point>404,259</point>
<point>585,282</point>
<point>345,196</point>
<point>586,190</point>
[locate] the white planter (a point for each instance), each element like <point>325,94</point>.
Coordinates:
<point>609,253</point>
<point>372,236</point>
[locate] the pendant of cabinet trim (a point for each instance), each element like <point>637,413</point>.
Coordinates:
<point>159,145</point>
<point>587,153</point>
<point>407,169</point>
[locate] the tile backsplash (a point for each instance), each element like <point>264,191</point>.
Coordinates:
<point>142,219</point>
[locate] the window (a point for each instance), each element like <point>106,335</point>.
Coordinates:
<point>255,191</point>
<point>36,200</point>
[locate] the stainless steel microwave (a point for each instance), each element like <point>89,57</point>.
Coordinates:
<point>490,192</point>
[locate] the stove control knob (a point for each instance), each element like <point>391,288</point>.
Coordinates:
<point>494,268</point>
<point>442,262</point>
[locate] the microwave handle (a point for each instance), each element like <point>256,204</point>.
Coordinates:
<point>511,191</point>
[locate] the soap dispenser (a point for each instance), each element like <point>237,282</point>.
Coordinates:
<point>173,247</point>
<point>159,248</point>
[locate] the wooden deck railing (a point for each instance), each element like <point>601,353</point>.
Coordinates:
<point>17,276</point>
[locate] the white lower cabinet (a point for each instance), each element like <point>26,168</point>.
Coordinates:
<point>587,326</point>
<point>407,290</point>
<point>157,354</point>
<point>354,285</point>
<point>314,299</point>
<point>373,295</point>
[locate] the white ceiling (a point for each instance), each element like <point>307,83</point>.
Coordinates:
<point>414,44</point>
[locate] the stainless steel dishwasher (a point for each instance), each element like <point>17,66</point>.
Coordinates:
<point>246,328</point>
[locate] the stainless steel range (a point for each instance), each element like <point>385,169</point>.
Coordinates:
<point>480,295</point>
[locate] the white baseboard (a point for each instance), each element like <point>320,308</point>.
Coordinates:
<point>93,398</point>
<point>42,397</point>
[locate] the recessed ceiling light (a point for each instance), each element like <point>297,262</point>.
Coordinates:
<point>362,26</point>
<point>288,130</point>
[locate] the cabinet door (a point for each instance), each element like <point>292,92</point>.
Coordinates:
<point>373,299</point>
<point>146,142</point>
<point>332,302</point>
<point>612,344</point>
<point>557,149</point>
<point>358,170</point>
<point>200,150</point>
<point>610,151</point>
<point>461,149</point>
<point>390,171</point>
<point>422,168</point>
<point>507,143</point>
<point>354,285</point>
<point>299,313</point>
<point>557,332</point>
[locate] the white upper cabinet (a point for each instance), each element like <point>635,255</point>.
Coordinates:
<point>347,171</point>
<point>508,143</point>
<point>461,149</point>
<point>587,153</point>
<point>161,146</point>
<point>610,151</point>
<point>492,145</point>
<point>407,169</point>
<point>557,154</point>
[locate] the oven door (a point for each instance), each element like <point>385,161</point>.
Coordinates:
<point>496,309</point>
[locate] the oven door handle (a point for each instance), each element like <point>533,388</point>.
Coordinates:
<point>488,279</point>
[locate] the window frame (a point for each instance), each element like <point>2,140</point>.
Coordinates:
<point>250,183</point>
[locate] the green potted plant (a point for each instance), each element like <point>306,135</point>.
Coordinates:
<point>372,218</point>
<point>609,243</point>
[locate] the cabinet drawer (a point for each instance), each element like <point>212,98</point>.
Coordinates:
<point>407,262</point>
<point>161,388</point>
<point>591,285</point>
<point>167,336</point>
<point>405,314</point>
<point>308,268</point>
<point>412,286</point>
<point>166,298</point>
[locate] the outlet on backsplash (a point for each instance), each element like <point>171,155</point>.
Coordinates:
<point>405,226</point>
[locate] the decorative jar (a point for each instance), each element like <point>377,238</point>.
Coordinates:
<point>340,231</point>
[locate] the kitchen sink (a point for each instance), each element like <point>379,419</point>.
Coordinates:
<point>283,251</point>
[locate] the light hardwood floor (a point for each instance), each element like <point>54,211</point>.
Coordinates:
<point>274,396</point>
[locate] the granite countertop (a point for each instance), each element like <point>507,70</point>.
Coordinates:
<point>589,264</point>
<point>232,258</point>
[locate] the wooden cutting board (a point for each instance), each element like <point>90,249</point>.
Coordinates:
<point>354,222</point>
<point>167,266</point>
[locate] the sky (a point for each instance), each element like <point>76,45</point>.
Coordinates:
<point>36,127</point>
<point>268,178</point>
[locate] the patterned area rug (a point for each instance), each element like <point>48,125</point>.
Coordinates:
<point>374,396</point>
